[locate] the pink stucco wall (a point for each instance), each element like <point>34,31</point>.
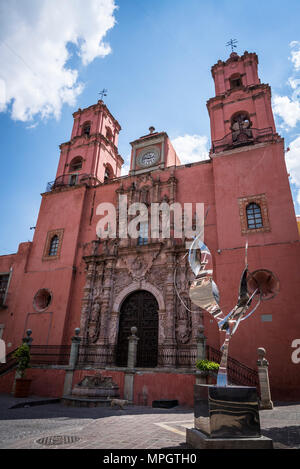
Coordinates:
<point>218,183</point>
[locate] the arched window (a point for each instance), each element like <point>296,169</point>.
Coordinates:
<point>254,216</point>
<point>235,81</point>
<point>143,235</point>
<point>240,126</point>
<point>109,134</point>
<point>53,248</point>
<point>108,173</point>
<point>76,164</point>
<point>86,130</point>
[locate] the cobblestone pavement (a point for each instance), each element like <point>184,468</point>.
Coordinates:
<point>132,428</point>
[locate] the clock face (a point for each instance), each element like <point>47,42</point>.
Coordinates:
<point>148,158</point>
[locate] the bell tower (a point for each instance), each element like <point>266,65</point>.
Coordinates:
<point>251,183</point>
<point>240,113</point>
<point>91,155</point>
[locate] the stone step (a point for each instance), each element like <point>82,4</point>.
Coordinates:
<point>165,403</point>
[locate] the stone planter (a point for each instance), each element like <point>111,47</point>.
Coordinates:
<point>22,388</point>
<point>205,377</point>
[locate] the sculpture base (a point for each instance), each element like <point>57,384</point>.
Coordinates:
<point>226,412</point>
<point>198,440</point>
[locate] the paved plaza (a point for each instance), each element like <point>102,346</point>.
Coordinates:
<point>136,427</point>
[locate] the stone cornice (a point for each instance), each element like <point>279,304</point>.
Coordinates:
<point>220,98</point>
<point>98,107</point>
<point>235,58</point>
<point>149,139</point>
<point>91,140</point>
<point>274,140</point>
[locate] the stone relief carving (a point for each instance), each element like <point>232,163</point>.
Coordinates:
<point>113,267</point>
<point>183,323</point>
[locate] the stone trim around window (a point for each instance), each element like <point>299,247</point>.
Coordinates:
<point>50,234</point>
<point>260,200</point>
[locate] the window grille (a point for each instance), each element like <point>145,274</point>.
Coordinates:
<point>54,246</point>
<point>143,236</point>
<point>254,216</point>
<point>3,286</point>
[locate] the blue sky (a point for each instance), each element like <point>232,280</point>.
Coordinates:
<point>154,58</point>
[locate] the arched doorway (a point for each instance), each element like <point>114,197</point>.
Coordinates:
<point>140,309</point>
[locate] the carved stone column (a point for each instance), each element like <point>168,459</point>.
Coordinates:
<point>168,349</point>
<point>87,298</point>
<point>201,344</point>
<point>106,299</point>
<point>113,328</point>
<point>72,363</point>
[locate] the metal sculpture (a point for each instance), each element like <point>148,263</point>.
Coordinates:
<point>260,285</point>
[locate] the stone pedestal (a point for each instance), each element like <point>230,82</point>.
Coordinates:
<point>226,417</point>
<point>128,385</point>
<point>199,440</point>
<point>263,376</point>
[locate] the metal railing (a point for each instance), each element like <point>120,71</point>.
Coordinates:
<point>246,137</point>
<point>96,355</point>
<point>238,373</point>
<point>10,363</point>
<point>99,356</point>
<point>50,354</point>
<point>40,355</point>
<point>182,357</point>
<point>69,180</point>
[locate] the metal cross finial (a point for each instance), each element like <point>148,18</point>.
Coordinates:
<point>103,93</point>
<point>232,43</point>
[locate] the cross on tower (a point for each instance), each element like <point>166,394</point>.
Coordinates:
<point>232,43</point>
<point>103,93</point>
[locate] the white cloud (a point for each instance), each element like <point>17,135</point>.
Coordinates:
<point>34,36</point>
<point>191,148</point>
<point>125,169</point>
<point>292,159</point>
<point>288,108</point>
<point>295,54</point>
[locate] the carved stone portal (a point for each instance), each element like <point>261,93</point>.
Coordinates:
<point>119,267</point>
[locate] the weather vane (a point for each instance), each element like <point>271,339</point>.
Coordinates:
<point>232,43</point>
<point>103,93</point>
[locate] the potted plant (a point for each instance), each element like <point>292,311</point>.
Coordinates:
<point>207,365</point>
<point>206,369</point>
<point>22,356</point>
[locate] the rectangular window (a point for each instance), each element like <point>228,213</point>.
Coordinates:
<point>4,278</point>
<point>73,179</point>
<point>143,237</point>
<point>253,212</point>
<point>266,318</point>
<point>53,244</point>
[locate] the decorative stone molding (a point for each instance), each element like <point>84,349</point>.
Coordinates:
<point>260,200</point>
<point>59,233</point>
<point>143,285</point>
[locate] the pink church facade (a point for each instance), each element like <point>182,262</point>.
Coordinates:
<point>67,277</point>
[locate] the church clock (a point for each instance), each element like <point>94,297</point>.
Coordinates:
<point>148,157</point>
<point>152,151</point>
